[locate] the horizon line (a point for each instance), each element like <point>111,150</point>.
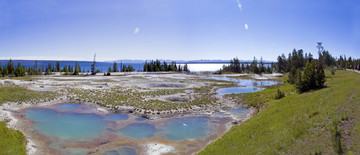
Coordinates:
<point>107,60</point>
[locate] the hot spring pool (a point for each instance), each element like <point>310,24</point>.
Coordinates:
<point>75,129</point>
<point>245,85</point>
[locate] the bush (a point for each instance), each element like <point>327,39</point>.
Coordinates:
<point>333,71</point>
<point>279,94</point>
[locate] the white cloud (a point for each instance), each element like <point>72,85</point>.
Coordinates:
<point>136,31</point>
<point>246,26</point>
<point>239,4</point>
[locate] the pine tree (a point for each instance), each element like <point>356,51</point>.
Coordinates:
<point>70,69</point>
<point>36,68</point>
<point>115,67</point>
<point>268,70</point>
<point>57,66</point>
<point>108,73</point>
<point>299,84</point>
<point>77,69</point>
<point>180,69</point>
<point>48,69</point>
<point>93,71</point>
<point>10,67</point>
<point>145,67</point>
<point>292,75</point>
<point>20,70</point>
<point>320,76</point>
<point>5,71</point>
<point>124,68</point>
<point>130,68</point>
<point>254,66</point>
<point>309,76</point>
<point>262,68</point>
<point>1,70</point>
<point>186,69</point>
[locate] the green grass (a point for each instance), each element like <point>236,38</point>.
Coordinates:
<point>19,94</point>
<point>11,141</point>
<point>261,98</point>
<point>308,123</point>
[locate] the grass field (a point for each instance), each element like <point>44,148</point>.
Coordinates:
<point>14,93</point>
<point>325,121</point>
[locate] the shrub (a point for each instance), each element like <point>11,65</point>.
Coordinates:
<point>279,94</point>
<point>333,71</point>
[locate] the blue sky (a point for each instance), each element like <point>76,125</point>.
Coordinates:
<point>176,29</point>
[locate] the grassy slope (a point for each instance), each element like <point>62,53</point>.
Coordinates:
<point>300,123</point>
<point>12,141</point>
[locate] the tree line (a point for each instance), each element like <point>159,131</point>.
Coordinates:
<point>349,63</point>
<point>123,68</point>
<point>255,66</point>
<point>304,72</point>
<point>157,66</point>
<point>20,70</point>
<point>307,73</point>
<point>10,69</point>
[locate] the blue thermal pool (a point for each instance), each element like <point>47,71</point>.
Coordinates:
<point>238,111</point>
<point>236,90</point>
<point>122,151</point>
<point>70,107</point>
<point>187,128</point>
<point>66,125</point>
<point>246,86</point>
<point>116,117</point>
<point>138,130</point>
<point>78,129</point>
